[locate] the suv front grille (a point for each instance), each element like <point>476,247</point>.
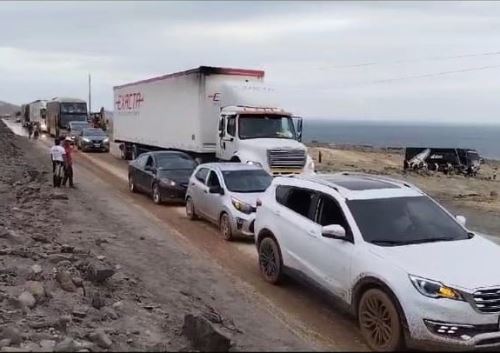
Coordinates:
<point>487,300</point>
<point>286,158</point>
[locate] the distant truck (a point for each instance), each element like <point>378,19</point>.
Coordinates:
<point>60,111</point>
<point>25,114</point>
<point>38,113</point>
<point>458,160</point>
<point>210,113</point>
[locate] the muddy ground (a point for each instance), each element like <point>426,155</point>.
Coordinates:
<point>83,270</point>
<point>476,197</point>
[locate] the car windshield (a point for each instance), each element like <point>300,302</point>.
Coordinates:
<point>174,161</point>
<point>246,180</point>
<point>93,132</point>
<point>404,220</point>
<point>266,126</point>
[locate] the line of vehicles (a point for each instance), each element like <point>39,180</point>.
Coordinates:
<point>215,139</point>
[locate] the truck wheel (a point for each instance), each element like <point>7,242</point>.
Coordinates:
<point>131,184</point>
<point>225,227</point>
<point>156,194</point>
<point>379,321</point>
<point>190,211</point>
<point>270,262</point>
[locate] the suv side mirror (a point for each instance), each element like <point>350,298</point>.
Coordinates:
<point>334,231</point>
<point>461,220</point>
<point>216,190</point>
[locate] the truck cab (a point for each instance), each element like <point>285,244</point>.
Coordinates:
<point>268,137</point>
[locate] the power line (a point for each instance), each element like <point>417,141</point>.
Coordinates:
<point>436,58</point>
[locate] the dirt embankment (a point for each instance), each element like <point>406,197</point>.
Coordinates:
<point>77,277</point>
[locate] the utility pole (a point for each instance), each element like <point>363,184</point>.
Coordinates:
<point>90,95</point>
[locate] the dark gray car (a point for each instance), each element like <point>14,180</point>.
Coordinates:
<point>93,139</point>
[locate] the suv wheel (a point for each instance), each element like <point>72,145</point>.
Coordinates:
<point>156,194</point>
<point>131,184</point>
<point>190,211</point>
<point>379,321</point>
<point>270,262</point>
<point>225,227</point>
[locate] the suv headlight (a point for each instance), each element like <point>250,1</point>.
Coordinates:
<point>106,140</point>
<point>85,139</point>
<point>242,206</point>
<point>167,182</point>
<point>434,289</point>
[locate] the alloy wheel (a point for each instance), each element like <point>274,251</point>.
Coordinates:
<point>156,194</point>
<point>131,184</point>
<point>225,227</point>
<point>270,260</point>
<point>379,321</point>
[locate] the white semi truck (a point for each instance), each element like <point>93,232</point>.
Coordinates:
<point>213,114</point>
<point>38,113</point>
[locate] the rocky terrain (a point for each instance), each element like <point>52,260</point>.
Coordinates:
<point>75,278</point>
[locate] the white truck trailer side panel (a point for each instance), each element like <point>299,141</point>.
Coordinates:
<point>35,110</point>
<point>163,113</point>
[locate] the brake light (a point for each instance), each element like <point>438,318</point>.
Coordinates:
<point>259,203</point>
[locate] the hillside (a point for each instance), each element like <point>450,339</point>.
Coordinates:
<point>7,108</point>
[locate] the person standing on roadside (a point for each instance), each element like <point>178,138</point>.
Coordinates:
<point>68,168</point>
<point>58,157</point>
<point>30,129</point>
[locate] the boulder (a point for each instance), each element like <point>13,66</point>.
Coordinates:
<point>26,299</point>
<point>36,289</point>
<point>203,335</point>
<point>11,333</point>
<point>101,338</point>
<point>65,281</point>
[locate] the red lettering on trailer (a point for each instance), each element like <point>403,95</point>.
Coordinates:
<point>129,101</point>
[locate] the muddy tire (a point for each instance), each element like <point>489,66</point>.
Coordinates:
<point>379,321</point>
<point>225,227</point>
<point>156,194</point>
<point>190,211</point>
<point>131,184</point>
<point>270,261</point>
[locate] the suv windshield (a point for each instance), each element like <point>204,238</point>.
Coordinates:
<point>266,126</point>
<point>174,161</point>
<point>78,126</point>
<point>93,132</point>
<point>246,180</point>
<point>404,220</point>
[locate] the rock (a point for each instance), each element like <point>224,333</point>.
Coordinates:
<point>494,194</point>
<point>56,258</point>
<point>109,314</point>
<point>11,349</point>
<point>66,345</point>
<point>101,339</point>
<point>13,334</point>
<point>40,238</point>
<point>80,311</point>
<point>77,281</point>
<point>67,249</point>
<point>117,305</point>
<point>100,241</point>
<point>101,257</point>
<point>26,299</point>
<point>47,345</point>
<point>99,273</point>
<point>31,347</point>
<point>5,342</point>
<point>36,289</point>
<point>203,335</point>
<point>36,269</point>
<point>65,281</point>
<point>97,300</point>
<point>58,196</point>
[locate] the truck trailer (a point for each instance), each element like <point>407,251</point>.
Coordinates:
<point>38,113</point>
<point>211,113</point>
<point>61,111</point>
<point>458,160</point>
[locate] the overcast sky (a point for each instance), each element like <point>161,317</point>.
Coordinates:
<point>410,61</point>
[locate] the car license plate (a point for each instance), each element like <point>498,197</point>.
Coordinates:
<point>97,145</point>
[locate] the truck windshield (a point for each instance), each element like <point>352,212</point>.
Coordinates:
<point>247,180</point>
<point>74,108</point>
<point>403,221</point>
<point>266,126</point>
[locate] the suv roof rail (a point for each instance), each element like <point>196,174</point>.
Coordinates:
<point>317,181</point>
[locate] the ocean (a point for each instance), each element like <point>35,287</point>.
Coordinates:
<point>485,139</point>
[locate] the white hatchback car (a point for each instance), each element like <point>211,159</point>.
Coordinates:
<point>226,194</point>
<point>410,271</point>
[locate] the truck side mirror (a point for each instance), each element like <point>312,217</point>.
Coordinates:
<point>299,128</point>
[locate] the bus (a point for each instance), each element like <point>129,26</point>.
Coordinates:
<point>60,111</point>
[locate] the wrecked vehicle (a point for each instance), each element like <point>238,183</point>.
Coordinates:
<point>447,160</point>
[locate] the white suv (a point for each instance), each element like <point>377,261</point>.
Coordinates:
<point>410,271</point>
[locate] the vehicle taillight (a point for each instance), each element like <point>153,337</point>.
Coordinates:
<point>259,203</point>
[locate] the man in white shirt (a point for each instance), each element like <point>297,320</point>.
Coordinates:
<point>58,156</point>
